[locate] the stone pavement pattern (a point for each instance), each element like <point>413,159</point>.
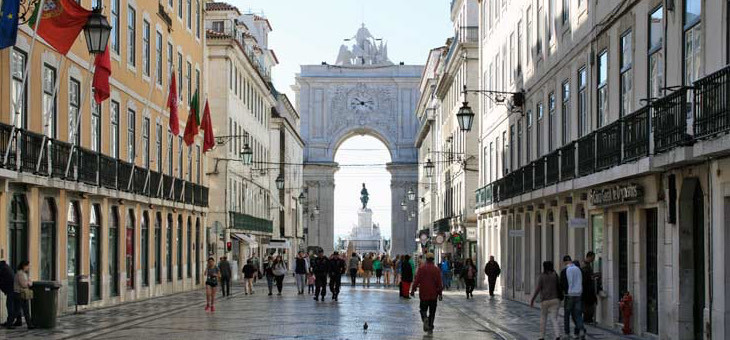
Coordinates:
<point>290,316</point>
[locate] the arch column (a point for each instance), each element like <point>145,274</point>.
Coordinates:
<point>403,231</point>
<point>319,182</point>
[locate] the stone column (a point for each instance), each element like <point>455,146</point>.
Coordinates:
<point>403,231</point>
<point>319,181</point>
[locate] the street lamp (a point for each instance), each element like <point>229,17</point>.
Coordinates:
<point>246,154</point>
<point>411,194</point>
<point>96,31</point>
<point>403,205</point>
<point>465,116</point>
<point>428,168</point>
<point>280,182</point>
<point>302,199</point>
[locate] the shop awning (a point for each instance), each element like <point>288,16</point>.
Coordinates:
<point>245,238</point>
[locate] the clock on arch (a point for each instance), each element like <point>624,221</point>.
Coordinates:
<point>361,102</point>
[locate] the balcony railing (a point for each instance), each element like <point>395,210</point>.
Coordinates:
<point>636,134</point>
<point>608,146</point>
<point>178,195</point>
<point>567,161</point>
<point>670,121</point>
<point>712,104</point>
<point>88,167</point>
<point>528,174</point>
<point>539,166</point>
<point>250,223</point>
<point>552,162</point>
<point>167,187</point>
<point>587,154</point>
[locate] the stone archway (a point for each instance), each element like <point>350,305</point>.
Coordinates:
<point>375,97</point>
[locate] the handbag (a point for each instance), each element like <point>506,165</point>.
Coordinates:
<point>26,294</point>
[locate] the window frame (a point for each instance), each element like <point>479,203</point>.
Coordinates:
<point>131,36</point>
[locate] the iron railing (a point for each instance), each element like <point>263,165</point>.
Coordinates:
<point>5,132</point>
<point>712,104</point>
<point>539,166</point>
<point>587,154</point>
<point>189,191</point>
<point>178,195</point>
<point>567,161</point>
<point>552,163</point>
<point>140,180</point>
<point>124,171</point>
<point>528,175</point>
<point>88,166</point>
<point>60,152</point>
<point>168,183</point>
<point>670,121</point>
<point>636,134</point>
<point>154,184</point>
<point>107,171</point>
<point>608,146</point>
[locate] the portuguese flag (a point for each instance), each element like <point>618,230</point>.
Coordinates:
<point>191,126</point>
<point>61,21</point>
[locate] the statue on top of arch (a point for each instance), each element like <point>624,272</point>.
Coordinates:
<point>366,50</point>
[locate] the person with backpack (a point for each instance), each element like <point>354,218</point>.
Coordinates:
<point>548,287</point>
<point>469,274</point>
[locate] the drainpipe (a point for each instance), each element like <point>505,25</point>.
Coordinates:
<point>708,324</point>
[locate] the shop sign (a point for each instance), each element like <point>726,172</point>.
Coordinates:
<point>618,194</point>
<point>578,223</point>
<point>471,234</point>
<point>517,233</point>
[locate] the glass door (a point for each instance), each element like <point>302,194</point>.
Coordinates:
<point>72,250</point>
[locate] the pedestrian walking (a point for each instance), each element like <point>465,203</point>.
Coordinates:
<point>397,267</point>
<point>458,279</point>
<point>212,275</point>
<point>249,273</point>
<point>300,272</point>
<point>310,282</point>
<point>429,285</point>
<point>492,270</point>
<point>22,295</point>
<point>387,269</point>
<point>406,276</point>
<point>336,268</point>
<point>446,274</point>
<point>225,268</point>
<point>378,267</point>
<point>589,297</point>
<point>320,268</point>
<point>354,265</point>
<point>367,268</point>
<point>269,273</point>
<point>571,281</point>
<point>469,275</point>
<point>279,270</point>
<point>7,282</point>
<point>548,287</point>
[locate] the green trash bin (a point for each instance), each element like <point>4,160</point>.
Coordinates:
<point>44,306</point>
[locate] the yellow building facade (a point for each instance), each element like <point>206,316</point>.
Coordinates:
<point>122,204</point>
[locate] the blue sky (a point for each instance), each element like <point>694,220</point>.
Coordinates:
<point>311,31</point>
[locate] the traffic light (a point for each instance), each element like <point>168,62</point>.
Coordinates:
<point>228,246</point>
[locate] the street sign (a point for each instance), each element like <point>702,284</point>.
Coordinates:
<point>578,223</point>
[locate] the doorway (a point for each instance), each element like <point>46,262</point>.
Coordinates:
<point>73,245</point>
<point>623,254</point>
<point>691,260</point>
<point>652,272</point>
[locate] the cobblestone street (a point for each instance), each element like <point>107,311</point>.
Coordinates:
<point>292,316</point>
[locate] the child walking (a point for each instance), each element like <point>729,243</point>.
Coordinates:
<point>310,283</point>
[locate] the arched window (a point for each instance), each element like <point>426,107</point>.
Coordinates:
<point>129,249</point>
<point>144,252</point>
<point>114,251</point>
<point>95,251</point>
<point>73,249</point>
<point>18,230</point>
<point>158,248</point>
<point>48,240</point>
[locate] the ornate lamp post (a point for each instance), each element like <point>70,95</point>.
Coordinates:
<point>96,32</point>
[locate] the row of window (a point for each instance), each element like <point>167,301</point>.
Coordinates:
<point>559,133</point>
<point>250,199</point>
<point>245,90</point>
<point>19,244</point>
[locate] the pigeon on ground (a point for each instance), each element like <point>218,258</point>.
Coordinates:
<point>365,326</point>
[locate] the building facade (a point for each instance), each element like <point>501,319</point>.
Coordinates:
<point>104,193</point>
<point>446,200</point>
<point>243,99</point>
<point>620,147</point>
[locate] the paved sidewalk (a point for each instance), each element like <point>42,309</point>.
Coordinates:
<point>290,316</point>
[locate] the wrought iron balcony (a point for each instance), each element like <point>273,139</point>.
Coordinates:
<point>140,181</point>
<point>587,154</point>
<point>567,161</point>
<point>178,194</point>
<point>60,153</point>
<point>154,184</point>
<point>498,190</point>
<point>88,166</point>
<point>249,223</point>
<point>636,134</point>
<point>124,171</point>
<point>108,171</point>
<point>31,149</point>
<point>528,177</point>
<point>5,132</point>
<point>608,146</point>
<point>539,166</point>
<point>188,198</point>
<point>670,121</point>
<point>552,164</point>
<point>168,183</point>
<point>712,104</point>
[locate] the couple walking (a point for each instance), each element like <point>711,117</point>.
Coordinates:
<point>323,267</point>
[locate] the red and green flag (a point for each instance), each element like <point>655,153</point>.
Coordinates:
<point>191,126</point>
<point>61,21</point>
<point>207,126</point>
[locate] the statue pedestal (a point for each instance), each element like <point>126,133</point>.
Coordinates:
<point>365,218</point>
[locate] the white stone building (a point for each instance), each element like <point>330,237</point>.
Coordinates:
<point>241,103</point>
<point>446,199</point>
<point>620,148</point>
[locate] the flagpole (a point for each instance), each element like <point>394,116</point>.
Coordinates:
<point>28,61</point>
<point>77,122</point>
<point>146,107</point>
<point>46,115</point>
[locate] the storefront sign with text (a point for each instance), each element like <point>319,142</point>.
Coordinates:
<point>618,194</point>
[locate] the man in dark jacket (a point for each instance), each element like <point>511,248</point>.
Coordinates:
<point>336,269</point>
<point>300,272</point>
<point>320,268</point>
<point>7,279</point>
<point>429,285</point>
<point>225,269</point>
<point>492,270</point>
